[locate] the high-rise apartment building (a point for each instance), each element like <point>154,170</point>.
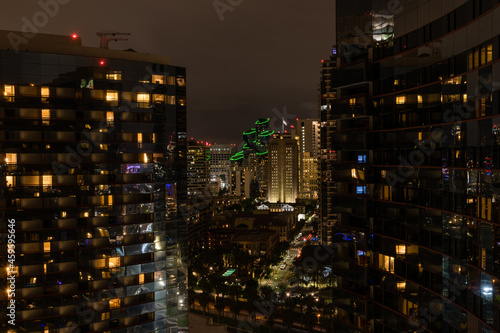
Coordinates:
<point>198,167</point>
<point>93,185</point>
<point>308,132</point>
<point>283,171</point>
<point>310,177</point>
<point>410,159</point>
<point>220,165</point>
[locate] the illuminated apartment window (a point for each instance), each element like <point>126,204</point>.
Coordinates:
<point>103,146</point>
<point>160,79</point>
<point>114,262</point>
<point>46,247</point>
<point>489,53</point>
<point>86,214</point>
<point>470,61</point>
<point>181,81</point>
<point>114,303</point>
<point>465,97</point>
<point>139,137</point>
<point>141,279</point>
<point>352,101</point>
<point>476,58</point>
<point>396,82</point>
<point>9,92</point>
<point>420,99</point>
<point>420,136</point>
<point>400,100</point>
<point>63,214</point>
<point>44,268</point>
<point>354,174</point>
<point>154,137</point>
<point>386,263</point>
<point>112,96</point>
<point>45,116</point>
<point>105,316</point>
<point>110,200</point>
<point>158,98</point>
<point>142,98</point>
<point>483,56</point>
<point>144,158</point>
<point>114,76</point>
<point>401,286</point>
<point>171,100</point>
<point>45,94</point>
<point>400,249</point>
<point>181,101</point>
<point>47,180</point>
<point>171,80</point>
<point>10,181</point>
<point>11,158</point>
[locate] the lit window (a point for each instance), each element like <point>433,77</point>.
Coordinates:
<point>142,98</point>
<point>112,96</point>
<point>401,286</point>
<point>400,100</point>
<point>362,158</point>
<point>476,58</point>
<point>489,53</point>
<point>181,101</point>
<point>400,249</point>
<point>360,189</point>
<point>141,279</point>
<point>181,81</point>
<point>420,99</point>
<point>160,79</point>
<point>45,94</point>
<point>46,247</point>
<point>171,100</point>
<point>47,180</point>
<point>352,101</point>
<point>115,76</point>
<point>144,158</point>
<point>158,98</point>
<point>483,56</point>
<point>139,137</point>
<point>114,303</point>
<point>11,158</point>
<point>171,80</point>
<point>45,116</point>
<point>110,116</point>
<point>63,214</point>
<point>114,262</point>
<point>11,181</point>
<point>9,92</point>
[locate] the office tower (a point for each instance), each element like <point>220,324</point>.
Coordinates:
<point>283,169</point>
<point>198,167</point>
<point>93,171</point>
<point>220,166</point>
<point>249,167</point>
<point>414,127</point>
<point>308,132</point>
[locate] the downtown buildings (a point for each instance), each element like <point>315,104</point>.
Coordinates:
<point>93,172</point>
<point>410,165</point>
<point>283,169</point>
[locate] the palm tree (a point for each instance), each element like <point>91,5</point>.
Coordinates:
<point>220,306</point>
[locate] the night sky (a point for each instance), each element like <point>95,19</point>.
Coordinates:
<point>264,55</point>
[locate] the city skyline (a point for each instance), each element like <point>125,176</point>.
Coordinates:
<point>249,58</point>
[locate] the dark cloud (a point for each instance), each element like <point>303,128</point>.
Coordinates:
<point>264,55</point>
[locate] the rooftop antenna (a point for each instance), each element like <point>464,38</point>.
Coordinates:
<point>107,36</point>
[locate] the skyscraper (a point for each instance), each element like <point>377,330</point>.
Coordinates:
<point>198,167</point>
<point>93,174</point>
<point>411,153</point>
<point>220,165</point>
<point>283,169</point>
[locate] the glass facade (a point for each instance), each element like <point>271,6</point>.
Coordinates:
<point>410,162</point>
<point>93,171</point>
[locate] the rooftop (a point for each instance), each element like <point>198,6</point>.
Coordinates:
<point>68,45</point>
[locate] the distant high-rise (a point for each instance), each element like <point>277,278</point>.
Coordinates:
<point>410,166</point>
<point>308,132</point>
<point>198,168</point>
<point>93,174</point>
<point>220,165</point>
<point>283,167</point>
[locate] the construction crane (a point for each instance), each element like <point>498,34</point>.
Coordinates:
<point>109,36</point>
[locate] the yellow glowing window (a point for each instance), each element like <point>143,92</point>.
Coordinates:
<point>420,136</point>
<point>47,180</point>
<point>483,56</point>
<point>115,76</point>
<point>114,262</point>
<point>114,303</point>
<point>171,80</point>
<point>181,101</point>
<point>354,174</point>
<point>45,116</point>
<point>181,81</point>
<point>154,137</point>
<point>420,99</point>
<point>139,137</point>
<point>158,98</point>
<point>141,279</point>
<point>396,82</point>
<point>110,116</point>
<point>476,58</point>
<point>171,100</point>
<point>400,249</point>
<point>45,268</point>
<point>112,96</point>
<point>352,101</point>
<point>10,180</point>
<point>45,94</point>
<point>489,53</point>
<point>63,214</point>
<point>9,90</point>
<point>401,285</point>
<point>471,61</point>
<point>105,316</point>
<point>400,100</point>
<point>110,200</point>
<point>142,98</point>
<point>11,158</point>
<point>46,247</point>
<point>465,98</point>
<point>103,146</point>
<point>86,214</point>
<point>160,79</point>
<point>144,158</point>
